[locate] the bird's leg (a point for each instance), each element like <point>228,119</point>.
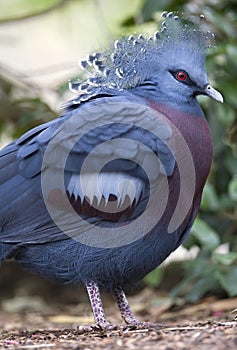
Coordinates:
<point>97,305</point>
<point>124,308</point>
<point>126,312</point>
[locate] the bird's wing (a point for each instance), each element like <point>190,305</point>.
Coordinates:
<point>93,167</point>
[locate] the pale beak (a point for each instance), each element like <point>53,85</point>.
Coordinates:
<point>211,92</point>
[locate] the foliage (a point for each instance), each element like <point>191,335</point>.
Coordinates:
<point>213,271</point>
<point>15,10</point>
<point>22,105</point>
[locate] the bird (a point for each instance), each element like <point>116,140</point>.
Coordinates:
<point>103,194</point>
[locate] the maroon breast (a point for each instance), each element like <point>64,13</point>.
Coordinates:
<point>195,130</point>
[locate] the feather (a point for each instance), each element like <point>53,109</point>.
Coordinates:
<point>123,61</point>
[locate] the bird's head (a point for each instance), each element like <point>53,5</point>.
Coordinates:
<point>170,66</point>
<point>177,63</point>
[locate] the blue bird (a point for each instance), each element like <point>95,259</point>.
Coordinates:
<point>103,194</point>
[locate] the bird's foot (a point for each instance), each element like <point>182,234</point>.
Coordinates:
<point>107,326</point>
<point>137,324</point>
<point>102,326</point>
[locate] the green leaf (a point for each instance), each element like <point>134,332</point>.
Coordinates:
<point>209,198</point>
<point>225,113</point>
<point>153,278</point>
<point>228,280</point>
<point>200,279</point>
<point>152,6</point>
<point>225,259</point>
<point>16,9</point>
<point>232,188</point>
<point>231,51</point>
<point>231,163</point>
<point>205,235</point>
<point>200,288</point>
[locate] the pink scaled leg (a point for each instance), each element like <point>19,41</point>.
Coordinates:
<point>97,306</point>
<point>126,312</point>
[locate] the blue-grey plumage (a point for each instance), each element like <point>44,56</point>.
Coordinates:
<point>126,155</point>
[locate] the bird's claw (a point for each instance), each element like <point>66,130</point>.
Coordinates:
<point>103,326</point>
<point>137,324</point>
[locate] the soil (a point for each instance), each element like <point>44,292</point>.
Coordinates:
<point>199,336</point>
<point>30,318</point>
<point>59,329</point>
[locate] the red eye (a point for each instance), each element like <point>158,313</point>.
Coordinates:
<point>181,75</point>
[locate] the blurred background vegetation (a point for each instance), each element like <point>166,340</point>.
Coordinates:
<point>40,44</point>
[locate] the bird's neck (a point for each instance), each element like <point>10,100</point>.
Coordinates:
<point>195,130</point>
<point>177,102</point>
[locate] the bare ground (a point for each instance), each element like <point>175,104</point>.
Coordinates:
<point>194,336</point>
<point>39,321</point>
<point>188,328</point>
